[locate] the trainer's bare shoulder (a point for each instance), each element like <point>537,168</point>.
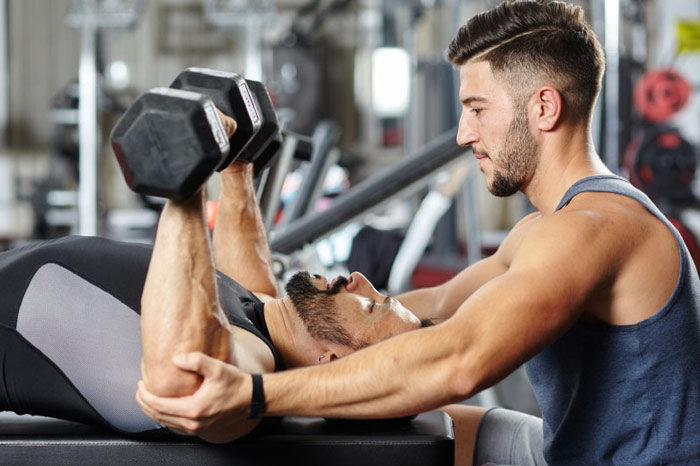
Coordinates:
<point>643,264</point>
<point>510,245</point>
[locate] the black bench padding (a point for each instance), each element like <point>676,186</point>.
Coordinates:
<point>426,440</point>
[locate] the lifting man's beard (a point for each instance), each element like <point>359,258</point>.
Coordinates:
<point>518,157</point>
<point>318,311</point>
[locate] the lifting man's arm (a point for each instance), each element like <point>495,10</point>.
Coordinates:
<point>240,242</point>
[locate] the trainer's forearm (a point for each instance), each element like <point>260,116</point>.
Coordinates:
<point>410,373</point>
<point>425,303</point>
<point>441,302</point>
<point>241,250</point>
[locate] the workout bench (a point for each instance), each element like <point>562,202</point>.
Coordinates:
<point>426,440</point>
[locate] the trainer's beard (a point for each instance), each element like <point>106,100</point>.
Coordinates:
<point>519,156</point>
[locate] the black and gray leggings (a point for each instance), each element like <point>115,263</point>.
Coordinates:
<point>70,339</point>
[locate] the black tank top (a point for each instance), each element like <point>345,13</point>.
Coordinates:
<point>243,309</point>
<point>625,394</point>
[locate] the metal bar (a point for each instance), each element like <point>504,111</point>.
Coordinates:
<point>87,123</point>
<point>270,199</point>
<point>417,238</point>
<point>318,192</point>
<point>612,85</point>
<point>368,194</point>
<point>253,48</point>
<point>4,74</point>
<point>325,136</point>
<point>414,121</point>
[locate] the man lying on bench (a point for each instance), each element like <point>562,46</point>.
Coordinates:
<point>73,345</point>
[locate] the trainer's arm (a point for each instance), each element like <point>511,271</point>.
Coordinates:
<point>441,302</point>
<point>241,250</point>
<point>504,323</point>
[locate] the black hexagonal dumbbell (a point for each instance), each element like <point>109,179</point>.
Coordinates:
<point>169,142</point>
<point>247,101</point>
<point>267,141</point>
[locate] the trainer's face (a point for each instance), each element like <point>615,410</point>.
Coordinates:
<point>496,128</point>
<point>368,315</point>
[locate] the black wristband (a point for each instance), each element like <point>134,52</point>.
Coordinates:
<point>257,402</point>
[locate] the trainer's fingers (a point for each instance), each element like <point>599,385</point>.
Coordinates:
<point>155,406</point>
<point>196,362</point>
<point>229,123</point>
<point>145,407</point>
<point>180,425</point>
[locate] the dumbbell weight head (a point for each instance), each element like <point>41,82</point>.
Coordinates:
<point>303,151</point>
<point>269,127</point>
<point>169,142</point>
<point>230,93</point>
<point>267,155</point>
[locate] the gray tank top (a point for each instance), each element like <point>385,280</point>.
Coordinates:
<point>628,394</point>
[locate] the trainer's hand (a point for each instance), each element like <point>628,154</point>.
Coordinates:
<point>216,412</point>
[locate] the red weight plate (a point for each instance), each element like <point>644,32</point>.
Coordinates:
<point>659,94</point>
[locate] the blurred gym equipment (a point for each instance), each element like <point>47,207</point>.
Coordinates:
<point>409,174</point>
<point>91,17</point>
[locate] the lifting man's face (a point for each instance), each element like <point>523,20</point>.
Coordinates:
<point>348,311</point>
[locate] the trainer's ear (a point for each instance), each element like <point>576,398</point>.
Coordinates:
<point>547,109</point>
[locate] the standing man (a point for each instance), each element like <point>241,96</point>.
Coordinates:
<point>595,291</point>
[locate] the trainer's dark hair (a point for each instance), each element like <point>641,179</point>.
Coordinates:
<point>530,43</point>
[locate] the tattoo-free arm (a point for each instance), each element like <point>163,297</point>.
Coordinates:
<point>180,310</point>
<point>179,306</point>
<point>240,244</point>
<point>441,302</point>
